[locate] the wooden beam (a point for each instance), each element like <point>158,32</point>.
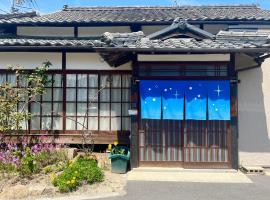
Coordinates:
<point>74,137</point>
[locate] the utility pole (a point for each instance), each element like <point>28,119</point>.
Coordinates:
<point>13,6</point>
<point>176,3</point>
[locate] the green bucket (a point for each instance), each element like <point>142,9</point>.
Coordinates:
<point>119,162</point>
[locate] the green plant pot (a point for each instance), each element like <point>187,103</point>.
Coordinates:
<point>119,163</point>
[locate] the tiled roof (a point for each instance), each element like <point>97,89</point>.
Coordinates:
<point>138,41</point>
<point>9,17</point>
<point>45,42</point>
<point>220,42</point>
<point>147,14</point>
<point>260,35</point>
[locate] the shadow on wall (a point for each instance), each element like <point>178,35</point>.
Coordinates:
<point>253,133</point>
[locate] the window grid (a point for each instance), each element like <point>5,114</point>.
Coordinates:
<point>49,116</point>
<point>103,116</point>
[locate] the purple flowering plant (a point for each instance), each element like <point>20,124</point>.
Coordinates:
<point>22,157</point>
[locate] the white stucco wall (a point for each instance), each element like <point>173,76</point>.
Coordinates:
<point>254,116</point>
<point>29,60</point>
<point>45,31</point>
<point>147,30</point>
<point>215,28</point>
<point>90,61</point>
<point>97,31</point>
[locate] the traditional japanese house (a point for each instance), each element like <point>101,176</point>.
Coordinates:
<point>184,86</point>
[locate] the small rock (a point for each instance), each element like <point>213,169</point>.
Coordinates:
<point>14,192</point>
<point>71,153</point>
<point>49,191</point>
<point>36,190</point>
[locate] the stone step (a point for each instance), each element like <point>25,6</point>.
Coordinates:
<point>252,169</point>
<point>182,170</point>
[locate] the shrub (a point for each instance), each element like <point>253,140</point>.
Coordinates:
<point>83,169</point>
<point>30,159</point>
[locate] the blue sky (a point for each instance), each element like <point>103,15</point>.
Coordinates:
<point>45,6</point>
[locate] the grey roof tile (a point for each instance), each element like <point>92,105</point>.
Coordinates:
<point>146,14</point>
<point>137,40</point>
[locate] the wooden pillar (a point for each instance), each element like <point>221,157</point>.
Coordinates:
<point>64,77</point>
<point>134,143</point>
<point>234,112</point>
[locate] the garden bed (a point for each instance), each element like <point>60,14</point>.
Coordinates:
<point>34,171</point>
<point>41,187</point>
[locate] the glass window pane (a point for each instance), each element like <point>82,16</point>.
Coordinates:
<point>71,94</point>
<point>116,109</point>
<point>125,108</point>
<point>93,109</point>
<point>104,124</point>
<point>71,109</point>
<point>104,81</point>
<point>57,109</point>
<point>104,109</point>
<point>82,95</point>
<point>93,80</point>
<point>46,123</point>
<point>57,123</point>
<point>22,107</point>
<point>24,124</point>
<point>116,123</point>
<point>35,108</point>
<point>92,123</point>
<point>35,123</point>
<point>47,96</point>
<point>38,98</point>
<point>116,95</point>
<point>58,94</point>
<point>2,78</point>
<point>82,123</point>
<point>105,95</point>
<point>71,80</point>
<point>125,95</point>
<point>82,80</point>
<point>49,83</point>
<point>11,78</point>
<point>93,95</point>
<point>126,80</point>
<point>70,123</point>
<point>116,81</point>
<point>46,109</point>
<point>22,81</point>
<point>81,109</point>
<point>126,124</point>
<point>57,80</point>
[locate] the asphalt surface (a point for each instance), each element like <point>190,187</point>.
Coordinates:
<point>138,190</point>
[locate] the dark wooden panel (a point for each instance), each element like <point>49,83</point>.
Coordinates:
<point>75,137</point>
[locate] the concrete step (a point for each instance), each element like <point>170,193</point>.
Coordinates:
<point>182,170</point>
<point>252,169</point>
<point>188,176</point>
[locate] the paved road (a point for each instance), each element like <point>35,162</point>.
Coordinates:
<point>258,190</point>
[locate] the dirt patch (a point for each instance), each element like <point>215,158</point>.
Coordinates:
<point>40,187</point>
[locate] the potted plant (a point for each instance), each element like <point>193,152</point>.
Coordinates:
<point>119,156</point>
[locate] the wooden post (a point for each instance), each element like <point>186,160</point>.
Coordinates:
<point>134,143</point>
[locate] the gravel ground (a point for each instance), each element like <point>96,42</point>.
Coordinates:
<point>113,185</point>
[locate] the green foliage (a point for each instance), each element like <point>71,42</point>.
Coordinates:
<point>57,167</point>
<point>26,161</point>
<point>119,150</point>
<point>83,169</point>
<point>28,164</point>
<point>28,87</point>
<point>47,158</point>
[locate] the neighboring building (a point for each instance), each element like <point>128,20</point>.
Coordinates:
<point>204,45</point>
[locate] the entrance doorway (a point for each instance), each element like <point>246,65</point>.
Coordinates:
<point>188,144</point>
